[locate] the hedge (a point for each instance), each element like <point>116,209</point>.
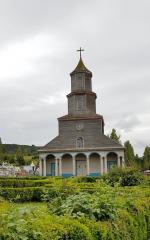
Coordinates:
<point>29,224</point>
<point>29,194</point>
<point>24,177</point>
<point>22,194</point>
<point>14,183</point>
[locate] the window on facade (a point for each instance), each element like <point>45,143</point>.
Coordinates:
<point>79,142</point>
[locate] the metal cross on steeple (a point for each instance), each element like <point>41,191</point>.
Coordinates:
<point>80,50</point>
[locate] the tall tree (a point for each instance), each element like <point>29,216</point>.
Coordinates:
<point>129,154</point>
<point>0,141</point>
<point>138,161</point>
<point>146,158</point>
<point>114,136</point>
<point>19,157</point>
<point>2,148</point>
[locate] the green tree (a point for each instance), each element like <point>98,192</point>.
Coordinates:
<point>139,161</point>
<point>2,149</point>
<point>19,157</point>
<point>114,136</point>
<point>0,141</point>
<point>129,154</point>
<point>33,149</point>
<point>146,158</point>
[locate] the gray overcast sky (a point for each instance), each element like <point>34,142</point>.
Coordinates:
<point>38,42</point>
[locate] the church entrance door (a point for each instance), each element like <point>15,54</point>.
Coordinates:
<point>111,164</point>
<point>81,168</point>
<point>52,169</point>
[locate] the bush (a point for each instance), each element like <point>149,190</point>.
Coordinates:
<point>130,179</point>
<point>49,194</point>
<point>22,194</point>
<point>30,224</point>
<point>86,179</point>
<point>25,178</point>
<point>124,177</point>
<point>84,204</point>
<point>14,183</point>
<point>110,213</point>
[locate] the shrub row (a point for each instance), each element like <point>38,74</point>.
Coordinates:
<point>25,178</point>
<point>14,183</point>
<point>30,194</point>
<point>35,224</point>
<point>22,194</point>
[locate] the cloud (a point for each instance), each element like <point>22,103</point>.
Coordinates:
<point>128,123</point>
<point>38,51</point>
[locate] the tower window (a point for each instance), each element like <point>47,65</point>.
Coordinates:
<point>79,142</point>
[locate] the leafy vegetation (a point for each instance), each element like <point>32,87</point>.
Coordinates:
<point>124,177</point>
<point>112,213</point>
<point>115,206</point>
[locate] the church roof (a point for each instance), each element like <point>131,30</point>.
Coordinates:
<point>80,117</point>
<point>80,68</point>
<point>100,142</point>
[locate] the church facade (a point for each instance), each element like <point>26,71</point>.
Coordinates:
<point>81,148</point>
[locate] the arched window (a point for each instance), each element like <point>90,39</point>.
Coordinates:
<point>79,142</point>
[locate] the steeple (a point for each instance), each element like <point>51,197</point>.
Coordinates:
<point>81,68</point>
<point>81,100</point>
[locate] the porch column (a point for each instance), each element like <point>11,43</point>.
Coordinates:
<point>123,162</point>
<point>60,166</point>
<point>101,165</point>
<point>118,161</point>
<point>40,166</point>
<point>88,164</point>
<point>56,167</point>
<point>44,166</point>
<point>74,165</point>
<point>105,164</point>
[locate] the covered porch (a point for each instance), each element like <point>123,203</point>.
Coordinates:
<point>79,164</point>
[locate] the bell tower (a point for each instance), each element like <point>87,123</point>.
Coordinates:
<point>81,100</point>
<point>81,147</point>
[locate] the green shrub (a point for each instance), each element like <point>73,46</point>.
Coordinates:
<point>31,224</point>
<point>25,178</point>
<point>49,194</point>
<point>22,194</point>
<point>14,183</point>
<point>84,204</point>
<point>75,230</point>
<point>132,179</point>
<point>124,177</point>
<point>132,220</point>
<point>86,179</point>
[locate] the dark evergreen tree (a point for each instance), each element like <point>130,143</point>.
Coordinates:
<point>146,158</point>
<point>129,154</point>
<point>114,136</point>
<point>19,157</point>
<point>139,161</point>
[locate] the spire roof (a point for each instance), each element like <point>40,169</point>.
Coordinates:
<point>81,68</point>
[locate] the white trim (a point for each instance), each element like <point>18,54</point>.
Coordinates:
<point>88,164</point>
<point>44,166</point>
<point>56,167</point>
<point>74,165</point>
<point>101,166</point>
